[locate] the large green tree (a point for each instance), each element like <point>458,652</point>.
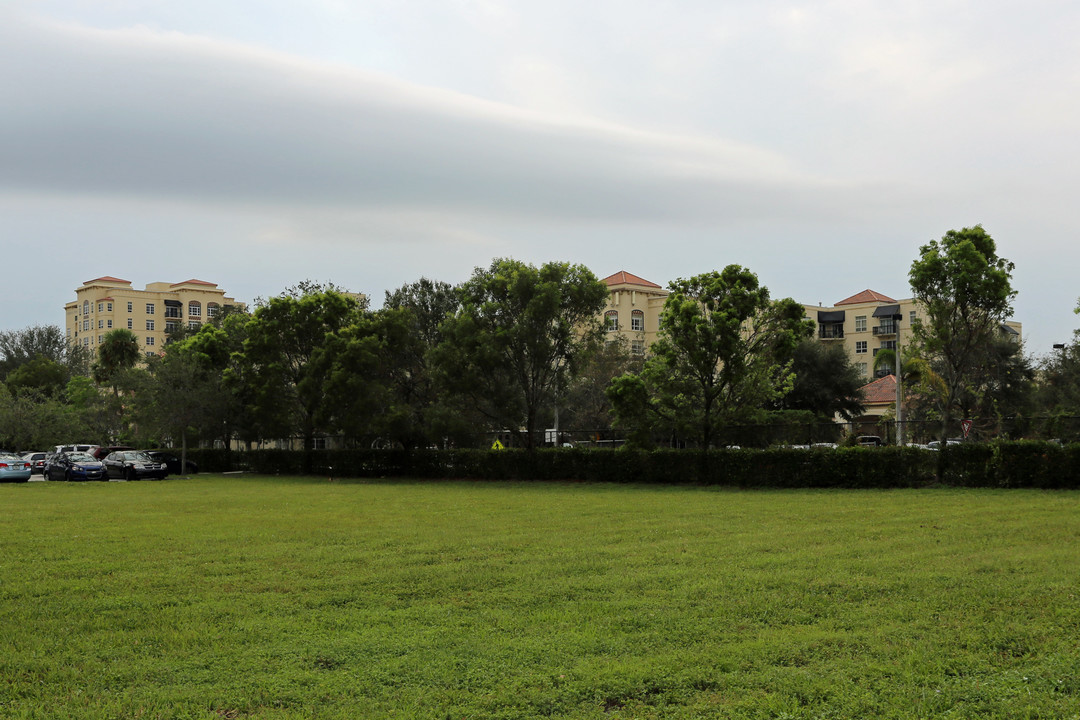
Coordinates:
<point>586,406</point>
<point>410,324</point>
<point>520,334</point>
<point>32,421</point>
<point>185,396</point>
<point>275,374</point>
<point>965,292</point>
<point>826,382</point>
<point>723,352</point>
<point>1058,384</point>
<point>42,375</point>
<point>19,347</point>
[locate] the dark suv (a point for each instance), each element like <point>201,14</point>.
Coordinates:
<point>133,465</point>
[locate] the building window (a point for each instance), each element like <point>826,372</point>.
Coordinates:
<point>611,320</point>
<point>100,307</point>
<point>860,346</point>
<point>129,307</point>
<point>150,353</point>
<point>108,324</point>
<point>149,308</point>
<point>108,306</point>
<point>149,324</point>
<point>100,324</point>
<point>99,339</point>
<point>862,368</point>
<point>637,320</point>
<point>173,312</point>
<point>86,341</point>
<point>149,339</point>
<point>211,309</point>
<point>637,348</point>
<point>860,323</point>
<point>911,317</point>
<point>131,324</point>
<point>193,324</point>
<point>170,326</point>
<point>86,307</point>
<point>194,309</point>
<point>318,443</point>
<point>85,325</point>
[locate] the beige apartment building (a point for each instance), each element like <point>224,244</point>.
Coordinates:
<point>869,322</point>
<point>107,303</point>
<point>633,309</point>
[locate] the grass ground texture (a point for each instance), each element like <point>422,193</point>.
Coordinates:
<point>255,597</point>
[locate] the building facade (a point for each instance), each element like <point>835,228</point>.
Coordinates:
<point>633,310</point>
<point>869,322</point>
<point>108,303</point>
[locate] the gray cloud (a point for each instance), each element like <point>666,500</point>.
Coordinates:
<point>143,113</point>
<point>819,144</point>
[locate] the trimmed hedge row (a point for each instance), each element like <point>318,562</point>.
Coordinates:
<point>1005,464</point>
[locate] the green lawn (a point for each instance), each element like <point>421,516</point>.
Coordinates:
<point>221,597</point>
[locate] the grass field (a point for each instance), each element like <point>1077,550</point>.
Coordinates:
<point>221,597</point>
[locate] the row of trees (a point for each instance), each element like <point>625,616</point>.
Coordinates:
<point>508,350</point>
<point>518,348</point>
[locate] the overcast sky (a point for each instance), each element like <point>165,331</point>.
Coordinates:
<point>255,144</point>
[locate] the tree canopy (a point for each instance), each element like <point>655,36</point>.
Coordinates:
<point>275,373</point>
<point>118,352</point>
<point>724,350</point>
<point>826,382</point>
<point>965,291</point>
<point>520,333</point>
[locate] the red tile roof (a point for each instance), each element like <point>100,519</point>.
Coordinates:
<point>624,278</point>
<point>194,282</point>
<point>107,278</point>
<point>866,296</point>
<point>881,391</point>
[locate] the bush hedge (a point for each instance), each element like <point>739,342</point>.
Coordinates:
<point>1022,464</point>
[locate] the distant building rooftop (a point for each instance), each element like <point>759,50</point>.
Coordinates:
<point>866,296</point>
<point>624,278</point>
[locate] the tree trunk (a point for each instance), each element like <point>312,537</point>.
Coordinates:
<point>183,452</point>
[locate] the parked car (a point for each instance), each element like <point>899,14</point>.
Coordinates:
<point>76,447</point>
<point>869,441</point>
<point>13,468</point>
<point>133,465</point>
<point>172,461</point>
<point>936,444</point>
<point>74,466</point>
<point>100,451</point>
<point>37,461</point>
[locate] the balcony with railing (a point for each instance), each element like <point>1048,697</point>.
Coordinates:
<point>831,331</point>
<point>885,328</point>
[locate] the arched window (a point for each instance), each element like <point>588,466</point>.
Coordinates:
<point>194,309</point>
<point>637,321</point>
<point>86,307</point>
<point>611,320</point>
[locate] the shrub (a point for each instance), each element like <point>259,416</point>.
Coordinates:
<point>1023,464</point>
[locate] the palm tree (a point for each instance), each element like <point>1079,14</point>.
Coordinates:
<point>119,351</point>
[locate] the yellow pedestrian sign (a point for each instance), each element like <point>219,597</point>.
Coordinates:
<point>497,445</point>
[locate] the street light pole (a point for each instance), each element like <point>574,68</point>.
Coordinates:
<point>899,389</point>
